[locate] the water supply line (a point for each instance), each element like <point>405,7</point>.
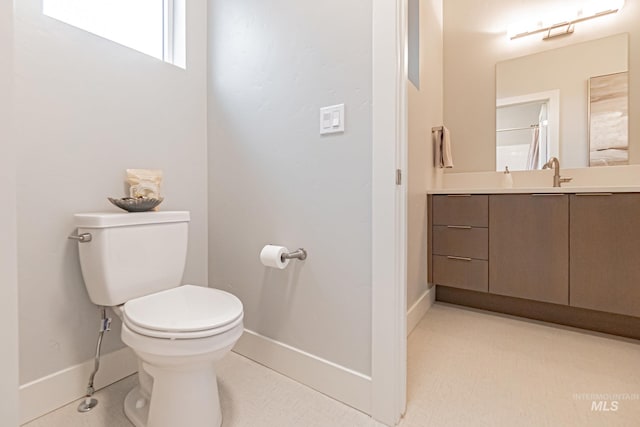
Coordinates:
<point>88,403</point>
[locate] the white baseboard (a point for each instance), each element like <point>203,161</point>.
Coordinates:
<point>420,308</point>
<point>338,382</point>
<point>60,388</point>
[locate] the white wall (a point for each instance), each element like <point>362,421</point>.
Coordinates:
<point>8,258</point>
<point>87,109</point>
<point>475,40</point>
<point>273,179</point>
<point>425,112</point>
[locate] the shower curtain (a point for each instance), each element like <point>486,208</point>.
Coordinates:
<point>538,147</point>
<point>533,159</point>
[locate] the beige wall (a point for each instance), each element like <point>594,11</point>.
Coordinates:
<point>87,109</point>
<point>274,179</point>
<point>8,257</point>
<point>475,40</point>
<point>425,112</point>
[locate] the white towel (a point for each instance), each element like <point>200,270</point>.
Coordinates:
<point>444,159</point>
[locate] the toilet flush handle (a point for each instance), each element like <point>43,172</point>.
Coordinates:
<point>82,238</point>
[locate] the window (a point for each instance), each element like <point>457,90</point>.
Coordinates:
<point>153,27</point>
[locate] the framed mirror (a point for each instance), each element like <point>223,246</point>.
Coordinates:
<point>570,102</point>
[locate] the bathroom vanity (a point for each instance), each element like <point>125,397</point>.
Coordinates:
<point>564,255</point>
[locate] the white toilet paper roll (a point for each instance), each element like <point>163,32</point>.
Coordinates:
<point>271,256</point>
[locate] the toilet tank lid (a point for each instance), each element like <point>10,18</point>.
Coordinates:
<point>123,219</point>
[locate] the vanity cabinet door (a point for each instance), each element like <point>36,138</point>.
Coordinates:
<point>605,252</point>
<point>529,246</point>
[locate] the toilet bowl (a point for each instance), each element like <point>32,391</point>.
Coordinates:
<point>178,335</point>
<point>133,263</point>
<point>184,391</point>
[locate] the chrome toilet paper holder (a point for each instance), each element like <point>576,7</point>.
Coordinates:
<point>300,254</point>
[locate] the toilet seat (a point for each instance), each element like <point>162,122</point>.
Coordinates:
<point>185,312</point>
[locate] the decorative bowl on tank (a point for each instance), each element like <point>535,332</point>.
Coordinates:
<point>136,204</point>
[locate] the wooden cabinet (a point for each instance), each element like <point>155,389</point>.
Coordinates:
<point>460,241</point>
<point>580,250</point>
<point>529,246</point>
<point>605,252</point>
<point>572,259</point>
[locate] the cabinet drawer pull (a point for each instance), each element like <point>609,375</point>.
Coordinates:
<point>547,194</point>
<point>594,194</point>
<point>458,195</point>
<point>460,227</point>
<point>458,258</point>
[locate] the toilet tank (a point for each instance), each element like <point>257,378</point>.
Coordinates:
<point>132,254</point>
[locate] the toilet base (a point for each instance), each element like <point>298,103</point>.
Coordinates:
<point>182,379</point>
<point>136,407</point>
<point>179,397</point>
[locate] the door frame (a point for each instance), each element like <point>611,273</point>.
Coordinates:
<point>8,243</point>
<point>389,211</point>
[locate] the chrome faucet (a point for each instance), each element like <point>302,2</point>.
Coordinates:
<point>554,163</point>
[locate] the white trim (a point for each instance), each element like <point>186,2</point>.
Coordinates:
<point>420,308</point>
<point>174,32</point>
<point>61,388</point>
<point>168,15</point>
<point>389,112</point>
<point>402,162</point>
<point>336,381</point>
<point>8,240</point>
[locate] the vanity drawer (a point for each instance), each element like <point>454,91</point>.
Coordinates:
<point>455,209</point>
<point>464,273</point>
<point>462,241</point>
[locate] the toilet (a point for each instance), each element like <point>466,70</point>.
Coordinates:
<point>133,263</point>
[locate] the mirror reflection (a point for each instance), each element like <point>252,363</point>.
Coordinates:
<point>570,102</point>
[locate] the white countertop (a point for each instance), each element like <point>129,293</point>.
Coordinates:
<point>538,190</point>
<point>610,179</point>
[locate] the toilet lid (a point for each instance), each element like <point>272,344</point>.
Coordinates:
<point>186,308</point>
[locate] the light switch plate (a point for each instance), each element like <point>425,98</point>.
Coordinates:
<point>332,119</point>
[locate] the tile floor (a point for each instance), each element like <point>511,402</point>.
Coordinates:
<point>473,368</point>
<point>465,368</point>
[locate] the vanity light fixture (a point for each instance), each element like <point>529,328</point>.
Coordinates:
<point>565,24</point>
